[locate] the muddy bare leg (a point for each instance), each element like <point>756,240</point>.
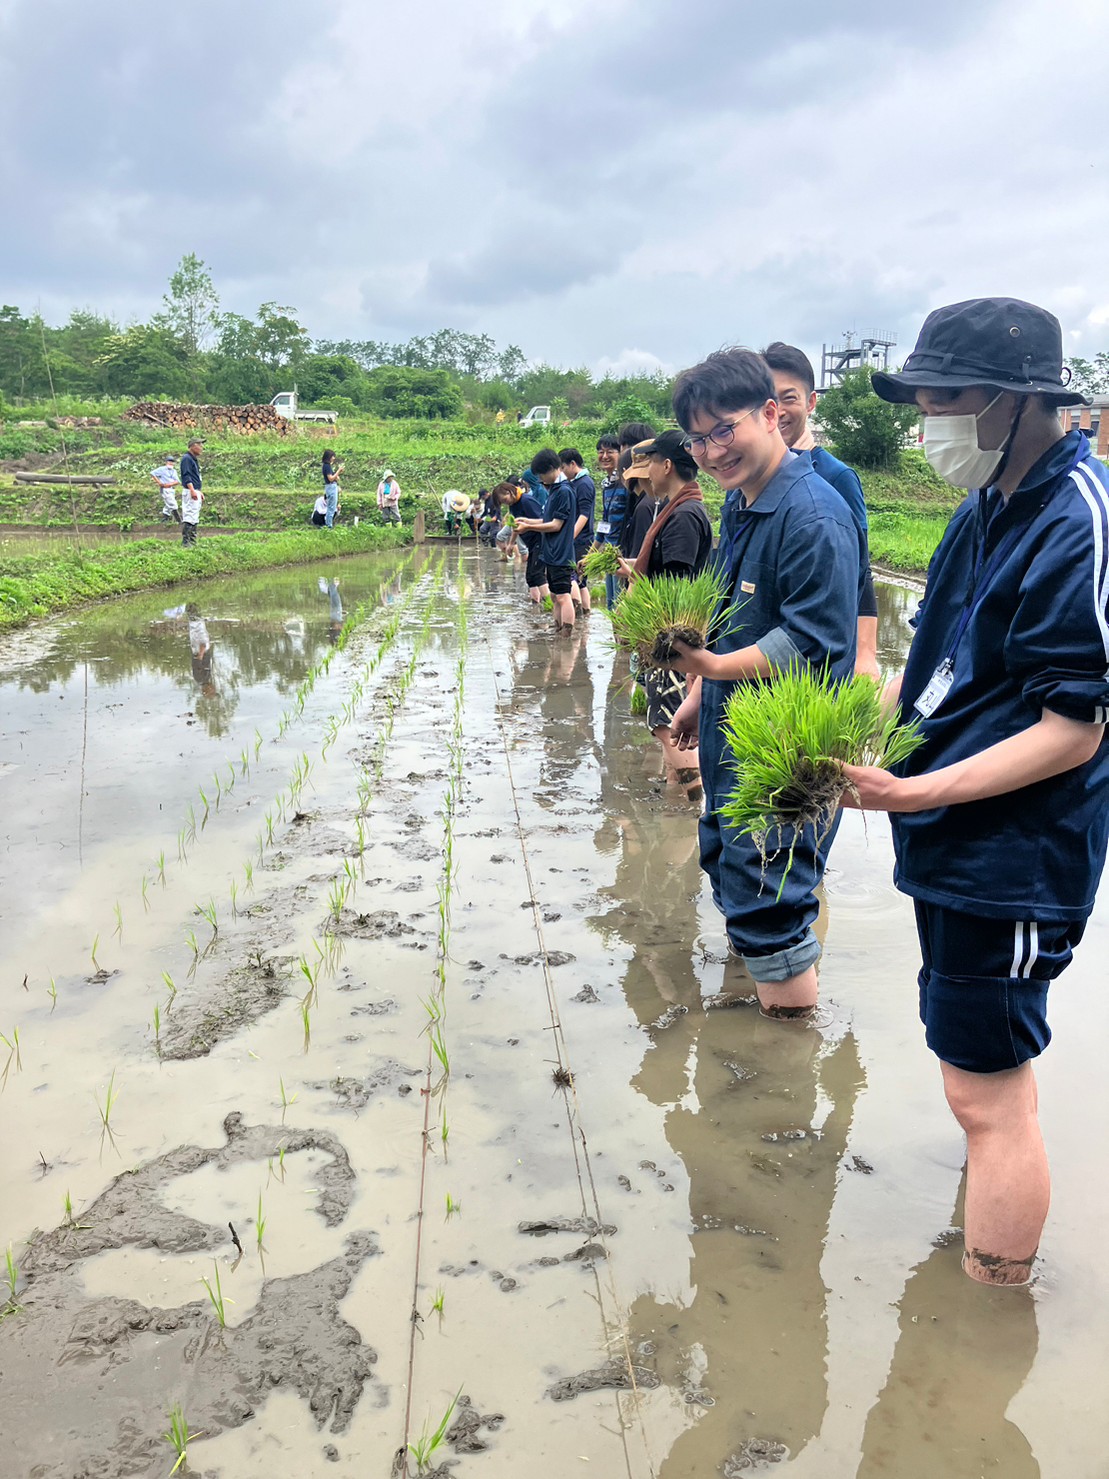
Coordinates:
<point>1008,1183</point>
<point>790,999</point>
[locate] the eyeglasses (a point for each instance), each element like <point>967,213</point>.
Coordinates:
<point>720,436</point>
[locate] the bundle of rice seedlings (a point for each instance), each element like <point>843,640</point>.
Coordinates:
<point>652,615</point>
<point>791,737</point>
<point>602,559</point>
<point>638,700</point>
<point>508,520</point>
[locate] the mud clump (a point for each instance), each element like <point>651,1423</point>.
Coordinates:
<point>295,1338</point>
<point>586,995</point>
<point>220,1008</point>
<point>754,1454</point>
<point>356,1093</point>
<point>464,1433</point>
<point>615,1375</point>
<point>386,924</point>
<point>585,1226</point>
<point>536,957</point>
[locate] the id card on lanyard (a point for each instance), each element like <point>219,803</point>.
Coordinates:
<point>939,685</point>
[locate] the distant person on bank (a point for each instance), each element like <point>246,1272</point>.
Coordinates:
<point>191,494</point>
<point>167,480</point>
<point>388,497</point>
<point>795,387</point>
<point>1000,820</point>
<point>332,471</point>
<point>319,512</point>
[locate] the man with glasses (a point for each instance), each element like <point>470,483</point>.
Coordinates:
<point>795,388</point>
<point>791,556</point>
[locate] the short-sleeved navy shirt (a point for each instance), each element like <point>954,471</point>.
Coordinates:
<point>557,549</point>
<point>527,507</point>
<point>585,497</point>
<point>1037,638</point>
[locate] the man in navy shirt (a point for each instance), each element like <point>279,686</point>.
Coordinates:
<point>790,555</point>
<point>556,546</point>
<point>614,504</point>
<point>795,388</point>
<point>1000,820</point>
<point>585,499</point>
<point>525,505</point>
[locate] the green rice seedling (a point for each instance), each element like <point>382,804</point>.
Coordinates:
<point>257,742</point>
<point>234,891</point>
<point>92,952</point>
<point>653,614</point>
<point>360,826</point>
<point>444,1130</point>
<point>453,1208</point>
<point>248,870</point>
<point>118,931</point>
<point>439,1048</point>
<point>791,737</point>
<point>190,819</point>
<point>162,868</point>
<point>424,1449</point>
<point>158,1029</point>
<point>260,1233</point>
<point>244,761</point>
<point>306,1022</point>
<point>218,788</point>
<point>217,1296</point>
<point>179,1436</point>
<point>15,1057</point>
<point>602,559</point>
<point>268,819</point>
<point>281,1161</point>
<point>439,1301</point>
<point>210,913</point>
<point>105,1112</point>
<point>182,850</point>
<point>52,991</point>
<point>311,974</point>
<point>170,987</point>
<point>548,603</point>
<point>638,704</point>
<point>336,898</point>
<point>230,786</point>
<point>286,1099</point>
<point>11,1305</point>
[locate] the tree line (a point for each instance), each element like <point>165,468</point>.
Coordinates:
<point>191,350</point>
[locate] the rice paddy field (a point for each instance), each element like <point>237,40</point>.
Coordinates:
<point>378,1097</point>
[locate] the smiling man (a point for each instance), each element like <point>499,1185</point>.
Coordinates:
<point>795,388</point>
<point>790,555</point>
<point>1000,820</point>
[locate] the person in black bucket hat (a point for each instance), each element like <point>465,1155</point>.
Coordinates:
<point>1001,819</point>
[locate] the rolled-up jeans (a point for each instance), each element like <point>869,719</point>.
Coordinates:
<point>331,493</point>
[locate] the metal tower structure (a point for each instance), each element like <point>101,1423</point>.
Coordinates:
<point>837,360</point>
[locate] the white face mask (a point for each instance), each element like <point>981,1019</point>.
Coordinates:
<point>951,447</point>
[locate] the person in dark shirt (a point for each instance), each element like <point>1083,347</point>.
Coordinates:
<point>585,498</point>
<point>789,557</point>
<point>614,503</point>
<point>524,505</point>
<point>191,495</point>
<point>556,529</point>
<point>1000,820</point>
<point>332,471</point>
<point>677,542</point>
<point>795,387</point>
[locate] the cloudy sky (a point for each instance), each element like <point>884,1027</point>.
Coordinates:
<point>616,183</point>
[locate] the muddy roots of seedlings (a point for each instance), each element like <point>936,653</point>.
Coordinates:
<point>662,652</point>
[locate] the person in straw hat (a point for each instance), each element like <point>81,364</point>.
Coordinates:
<point>388,497</point>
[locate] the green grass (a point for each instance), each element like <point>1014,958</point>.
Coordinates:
<point>39,585</point>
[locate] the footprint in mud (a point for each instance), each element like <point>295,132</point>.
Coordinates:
<point>356,1093</point>
<point>536,957</point>
<point>586,994</point>
<point>295,1337</point>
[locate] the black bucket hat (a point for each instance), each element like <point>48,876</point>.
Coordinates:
<point>998,342</point>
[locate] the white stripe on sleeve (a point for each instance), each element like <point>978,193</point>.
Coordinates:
<point>1018,948</point>
<point>1097,500</point>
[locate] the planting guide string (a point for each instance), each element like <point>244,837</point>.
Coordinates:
<point>573,1115</point>
<point>454,775</point>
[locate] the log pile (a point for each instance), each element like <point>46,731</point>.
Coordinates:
<point>243,419</point>
<point>78,423</point>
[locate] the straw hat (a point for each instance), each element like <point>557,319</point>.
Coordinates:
<point>459,504</point>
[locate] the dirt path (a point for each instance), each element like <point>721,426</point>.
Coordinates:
<point>501,1149</point>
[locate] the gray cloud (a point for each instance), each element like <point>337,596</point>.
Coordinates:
<point>588,178</point>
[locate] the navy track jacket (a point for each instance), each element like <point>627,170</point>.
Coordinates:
<point>1037,637</point>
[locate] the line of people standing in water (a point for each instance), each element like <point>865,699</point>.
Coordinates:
<point>1001,818</point>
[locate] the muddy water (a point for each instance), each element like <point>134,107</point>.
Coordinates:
<point>721,1247</point>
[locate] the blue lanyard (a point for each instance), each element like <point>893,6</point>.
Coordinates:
<point>985,573</point>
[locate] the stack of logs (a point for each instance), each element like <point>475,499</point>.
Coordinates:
<point>244,419</point>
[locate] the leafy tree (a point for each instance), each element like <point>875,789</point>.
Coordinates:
<point>190,309</point>
<point>22,372</point>
<point>629,408</point>
<point>322,377</point>
<point>396,390</point>
<point>511,364</point>
<point>1090,378</point>
<point>865,430</point>
<point>144,361</point>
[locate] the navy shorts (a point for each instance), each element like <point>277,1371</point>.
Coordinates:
<point>559,578</point>
<point>983,985</point>
<point>535,572</point>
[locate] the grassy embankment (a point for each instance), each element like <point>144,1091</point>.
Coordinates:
<point>270,482</point>
<point>39,584</point>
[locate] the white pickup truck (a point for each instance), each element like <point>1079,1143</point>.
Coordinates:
<point>285,404</point>
<point>537,416</point>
